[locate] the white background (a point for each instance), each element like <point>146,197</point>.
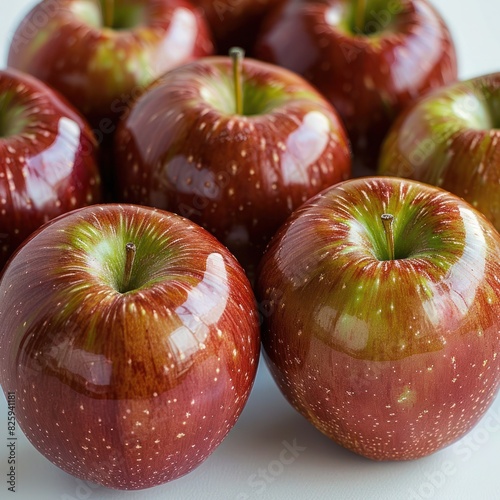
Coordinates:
<point>467,470</point>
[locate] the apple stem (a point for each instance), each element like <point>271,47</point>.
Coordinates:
<point>237,54</point>
<point>109,12</point>
<point>387,221</point>
<point>130,251</point>
<point>359,16</point>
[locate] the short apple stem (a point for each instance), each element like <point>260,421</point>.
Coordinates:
<point>237,55</point>
<point>387,221</point>
<point>109,13</point>
<point>130,251</point>
<point>359,16</point>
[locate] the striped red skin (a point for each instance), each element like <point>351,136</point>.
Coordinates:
<point>368,79</point>
<point>392,359</point>
<point>451,139</point>
<point>101,70</point>
<point>131,389</point>
<point>182,148</point>
<point>48,162</point>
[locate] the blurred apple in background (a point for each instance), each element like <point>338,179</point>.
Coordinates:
<point>48,162</point>
<point>131,339</point>
<point>370,58</point>
<point>235,146</point>
<point>383,317</point>
<point>102,53</point>
<point>235,22</point>
<point>450,138</point>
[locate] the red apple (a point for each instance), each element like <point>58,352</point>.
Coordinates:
<point>383,317</point>
<point>48,160</point>
<point>101,54</point>
<point>131,339</point>
<point>234,156</point>
<point>235,22</point>
<point>370,58</point>
<point>450,138</point>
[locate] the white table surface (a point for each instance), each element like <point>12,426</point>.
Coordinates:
<point>246,465</point>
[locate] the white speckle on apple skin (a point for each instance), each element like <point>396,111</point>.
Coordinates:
<point>223,143</point>
<point>117,436</point>
<point>387,404</point>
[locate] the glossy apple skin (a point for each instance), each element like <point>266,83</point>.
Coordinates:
<point>235,23</point>
<point>100,70</point>
<point>237,176</point>
<point>48,165</point>
<point>450,139</point>
<point>133,389</point>
<point>368,79</point>
<point>392,359</point>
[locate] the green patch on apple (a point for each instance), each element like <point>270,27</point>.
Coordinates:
<point>88,12</point>
<point>382,331</point>
<point>373,18</point>
<point>449,138</point>
<point>136,324</point>
<point>13,116</point>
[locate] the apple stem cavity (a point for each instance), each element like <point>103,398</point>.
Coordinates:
<point>130,251</point>
<point>388,221</point>
<point>237,54</point>
<point>359,16</point>
<point>109,13</point>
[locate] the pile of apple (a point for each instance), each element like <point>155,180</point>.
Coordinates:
<point>146,184</point>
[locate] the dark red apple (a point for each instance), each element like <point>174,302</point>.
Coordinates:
<point>130,337</point>
<point>370,58</point>
<point>102,53</point>
<point>236,153</point>
<point>48,160</point>
<point>451,138</point>
<point>235,22</point>
<point>383,317</point>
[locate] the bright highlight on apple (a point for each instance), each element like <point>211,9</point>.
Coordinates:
<point>161,189</point>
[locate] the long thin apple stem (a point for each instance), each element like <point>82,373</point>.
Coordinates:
<point>359,16</point>
<point>130,251</point>
<point>387,221</point>
<point>237,55</point>
<point>109,13</point>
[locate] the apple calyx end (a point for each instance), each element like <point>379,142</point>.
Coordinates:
<point>237,54</point>
<point>388,221</point>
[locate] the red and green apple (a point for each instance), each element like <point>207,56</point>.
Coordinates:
<point>383,318</point>
<point>102,53</point>
<point>451,138</point>
<point>370,58</point>
<point>131,339</point>
<point>235,145</point>
<point>48,159</point>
